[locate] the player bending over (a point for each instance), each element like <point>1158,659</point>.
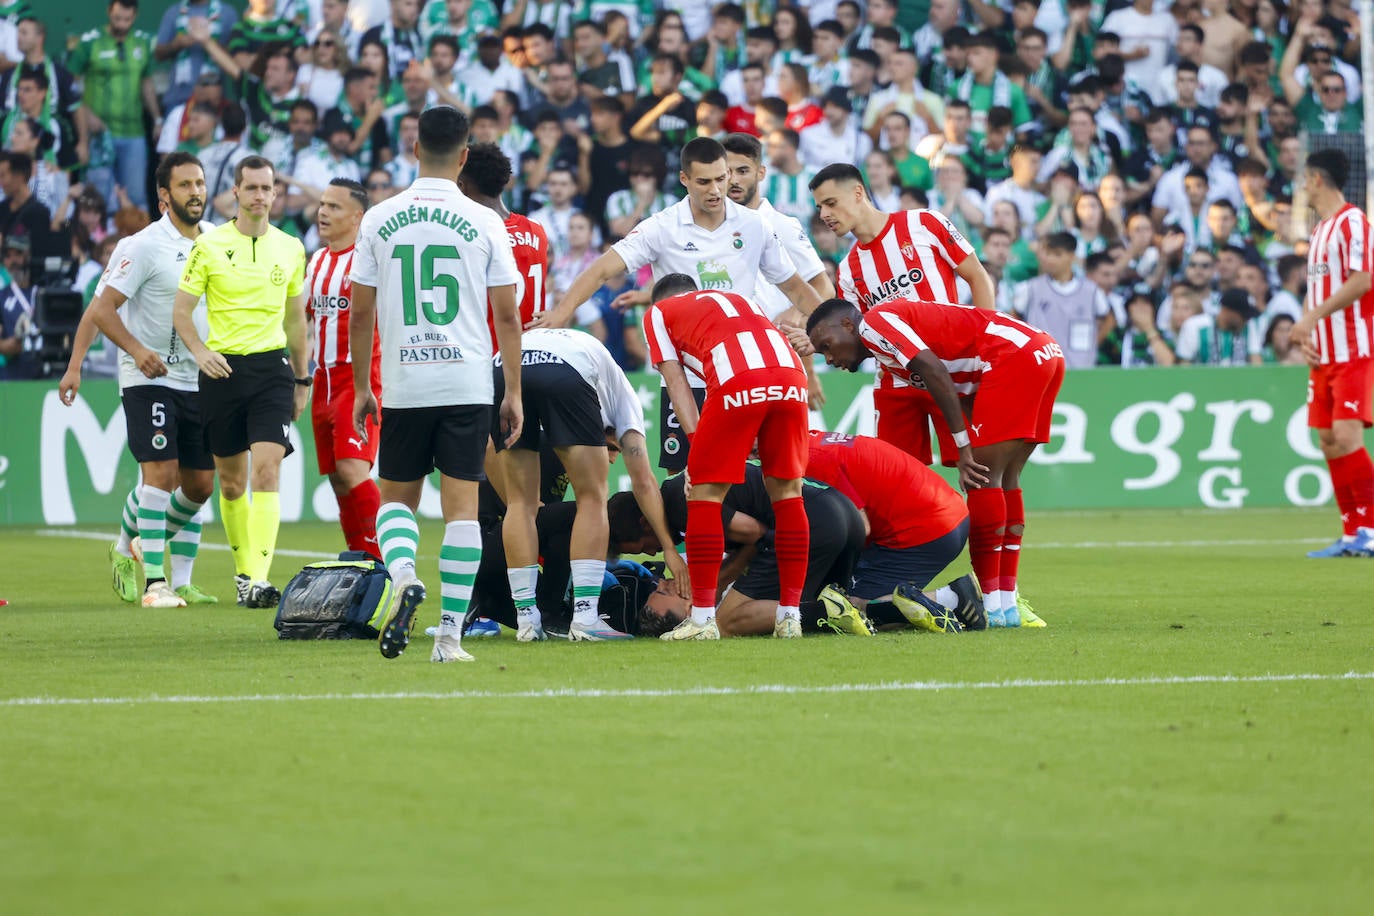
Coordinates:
<point>1020,369</point>
<point>755,390</point>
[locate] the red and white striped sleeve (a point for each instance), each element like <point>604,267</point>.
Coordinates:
<point>952,246</point>
<point>891,339</point>
<point>661,346</point>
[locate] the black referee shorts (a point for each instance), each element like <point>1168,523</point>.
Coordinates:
<point>561,407</point>
<point>254,404</point>
<point>837,540</point>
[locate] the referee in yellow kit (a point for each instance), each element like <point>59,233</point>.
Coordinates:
<point>254,369</point>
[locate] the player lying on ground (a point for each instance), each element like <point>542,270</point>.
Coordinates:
<point>755,392</point>
<point>159,387</point>
<point>1015,372</point>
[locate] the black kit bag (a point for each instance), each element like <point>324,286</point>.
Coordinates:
<point>345,598</point>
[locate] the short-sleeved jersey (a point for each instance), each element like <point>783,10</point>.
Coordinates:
<point>1341,247</point>
<point>432,253</point>
<point>246,281</point>
<point>914,256</point>
<point>717,336</point>
<point>146,268</point>
<point>907,503</point>
<point>621,409</point>
<point>530,245</point>
<point>330,304</point>
<point>730,258</point>
<point>797,245</point>
<point>967,340</point>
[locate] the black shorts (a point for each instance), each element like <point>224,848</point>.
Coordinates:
<point>881,569</point>
<point>254,404</point>
<point>416,440</point>
<point>672,441</point>
<point>165,424</point>
<point>561,407</point>
<point>837,540</point>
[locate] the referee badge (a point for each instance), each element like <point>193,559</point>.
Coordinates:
<point>278,276</point>
<point>159,440</point>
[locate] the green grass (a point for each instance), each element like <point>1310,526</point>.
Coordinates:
<point>1091,797</point>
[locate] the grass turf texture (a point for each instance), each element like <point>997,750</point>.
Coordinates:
<point>1093,798</point>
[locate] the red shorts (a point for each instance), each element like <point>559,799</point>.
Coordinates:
<point>767,405</point>
<point>1016,397</point>
<point>331,415</point>
<point>1340,391</point>
<point>903,417</point>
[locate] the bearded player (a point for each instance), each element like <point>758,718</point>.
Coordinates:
<point>1337,336</point>
<point>755,391</point>
<point>916,254</point>
<point>1014,370</point>
<point>344,456</point>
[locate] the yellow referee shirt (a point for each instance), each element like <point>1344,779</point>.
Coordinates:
<point>246,282</point>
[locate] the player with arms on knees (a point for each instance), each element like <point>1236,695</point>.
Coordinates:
<point>575,398</point>
<point>427,262</point>
<point>722,246</point>
<point>254,366</point>
<point>159,388</point>
<point>344,456</point>
<point>1015,372</point>
<point>912,254</point>
<point>755,391</point>
<point>1337,335</point>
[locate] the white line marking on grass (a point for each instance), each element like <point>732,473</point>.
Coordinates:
<point>1054,545</point>
<point>103,536</point>
<point>583,693</point>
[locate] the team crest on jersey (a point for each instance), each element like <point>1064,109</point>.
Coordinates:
<point>738,242</point>
<point>159,440</point>
<point>714,275</point>
<point>278,276</point>
<point>908,251</point>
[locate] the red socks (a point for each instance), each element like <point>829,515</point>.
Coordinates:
<point>1352,477</point>
<point>358,517</point>
<point>987,509</point>
<point>792,544</point>
<point>705,545</point>
<point>1011,541</point>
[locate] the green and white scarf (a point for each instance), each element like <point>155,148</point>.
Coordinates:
<point>1001,89</point>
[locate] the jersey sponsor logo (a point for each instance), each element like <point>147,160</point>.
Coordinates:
<point>526,239</point>
<point>714,275</point>
<point>894,287</point>
<point>437,350</point>
<point>330,303</point>
<point>1048,352</point>
<point>415,215</point>
<point>1319,270</point>
<point>762,394</point>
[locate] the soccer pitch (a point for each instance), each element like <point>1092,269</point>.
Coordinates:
<point>1192,733</point>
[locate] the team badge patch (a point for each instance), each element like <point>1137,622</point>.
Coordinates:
<point>159,440</point>
<point>278,276</point>
<point>671,445</point>
<point>908,251</point>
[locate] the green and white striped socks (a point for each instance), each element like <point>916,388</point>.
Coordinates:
<point>459,558</point>
<point>183,537</point>
<point>128,523</point>
<point>398,535</point>
<point>523,581</point>
<point>152,529</point>
<point>586,583</point>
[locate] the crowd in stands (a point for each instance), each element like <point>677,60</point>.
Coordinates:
<point>1135,161</point>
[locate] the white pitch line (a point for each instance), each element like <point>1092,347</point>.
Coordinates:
<point>582,693</point>
<point>103,536</point>
<point>1032,545</point>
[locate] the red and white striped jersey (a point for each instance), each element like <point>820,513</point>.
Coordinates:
<point>969,341</point>
<point>913,257</point>
<point>530,244</point>
<point>331,296</point>
<point>1341,247</point>
<point>717,335</point>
